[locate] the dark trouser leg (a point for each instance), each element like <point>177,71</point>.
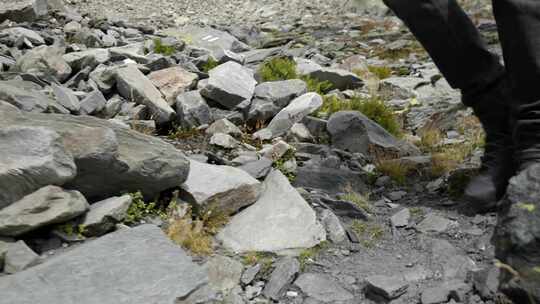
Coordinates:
<point>519,29</point>
<point>452,40</point>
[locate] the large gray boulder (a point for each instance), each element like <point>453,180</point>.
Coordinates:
<point>16,33</point>
<point>137,266</point>
<point>173,81</point>
<point>280,220</point>
<point>354,132</point>
<point>110,158</point>
<point>225,188</point>
<point>48,205</point>
<point>45,61</point>
<point>270,97</point>
<point>517,237</point>
<point>25,99</point>
<point>230,84</point>
<point>32,157</point>
<point>22,10</point>
<point>293,113</point>
<point>134,86</point>
<point>18,257</point>
<point>192,110</point>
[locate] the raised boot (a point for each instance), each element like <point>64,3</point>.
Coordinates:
<point>527,135</point>
<point>492,106</point>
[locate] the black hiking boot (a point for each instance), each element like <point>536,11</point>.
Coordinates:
<point>527,135</point>
<point>493,108</point>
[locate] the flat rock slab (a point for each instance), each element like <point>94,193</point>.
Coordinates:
<point>24,99</point>
<point>322,288</point>
<point>48,205</point>
<point>435,223</point>
<point>172,82</point>
<point>104,214</point>
<point>19,257</point>
<point>388,287</point>
<point>226,188</point>
<point>230,84</point>
<point>283,275</point>
<point>135,266</point>
<point>280,220</point>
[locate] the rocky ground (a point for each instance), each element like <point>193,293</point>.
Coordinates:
<point>244,152</point>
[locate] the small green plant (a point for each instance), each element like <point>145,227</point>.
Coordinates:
<point>210,64</point>
<point>369,233</point>
<point>160,48</point>
<point>374,108</point>
<point>310,253</point>
<point>382,72</point>
<point>72,229</point>
<point>139,209</point>
<point>417,211</point>
<point>396,169</point>
<point>278,68</point>
<point>184,133</point>
<point>280,164</point>
<point>317,86</point>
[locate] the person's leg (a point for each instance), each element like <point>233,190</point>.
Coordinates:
<point>452,40</point>
<point>461,55</point>
<point>518,22</point>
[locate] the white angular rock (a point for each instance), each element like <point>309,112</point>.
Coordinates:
<point>293,113</point>
<point>223,126</point>
<point>103,215</point>
<point>48,205</point>
<point>91,57</point>
<point>18,257</point>
<point>230,84</point>
<point>134,86</point>
<point>401,219</point>
<point>224,140</point>
<point>280,220</point>
<point>32,157</point>
<point>224,273</point>
<point>116,268</point>
<point>226,188</point>
<point>45,61</point>
<point>66,98</point>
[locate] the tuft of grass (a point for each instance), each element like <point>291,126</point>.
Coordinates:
<point>394,168</point>
<point>254,257</point>
<point>160,48</point>
<point>278,68</point>
<point>195,232</point>
<point>369,233</point>
<point>210,64</point>
<point>382,72</point>
<point>374,108</point>
<point>317,86</point>
<point>184,133</point>
<point>429,139</point>
<point>361,201</point>
<point>310,254</point>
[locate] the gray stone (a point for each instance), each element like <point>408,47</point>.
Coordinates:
<point>283,274</point>
<point>271,224</point>
<point>192,110</point>
<point>229,85</point>
<point>66,98</point>
<point>45,61</point>
<point>208,38</point>
<point>223,126</point>
<point>517,233</point>
<point>354,132</point>
<point>24,33</point>
<point>249,274</point>
<point>134,51</point>
<point>3,251</point>
<point>32,157</point>
<point>331,180</point>
<point>451,262</point>
<point>24,99</point>
<point>48,205</point>
<point>259,168</point>
<point>322,288</point>
<point>93,103</point>
<point>173,81</point>
<point>134,86</point>
<point>89,58</point>
<point>340,79</point>
<point>435,223</point>
<point>334,230</point>
<point>224,273</point>
<point>226,188</point>
<point>18,257</point>
<point>293,113</point>
<point>435,295</point>
<point>116,268</point>
<point>401,219</point>
<point>21,11</point>
<point>113,106</point>
<point>224,140</point>
<point>300,133</point>
<point>110,159</point>
<point>396,195</point>
<point>104,215</point>
<point>486,281</point>
<point>388,287</point>
<point>271,97</point>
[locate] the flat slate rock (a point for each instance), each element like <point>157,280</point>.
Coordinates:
<point>322,288</point>
<point>136,266</point>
